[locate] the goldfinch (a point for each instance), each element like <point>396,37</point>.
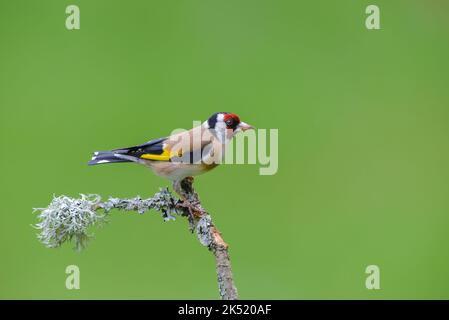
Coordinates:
<point>181,155</point>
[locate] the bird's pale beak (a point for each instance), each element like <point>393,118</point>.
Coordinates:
<point>244,126</point>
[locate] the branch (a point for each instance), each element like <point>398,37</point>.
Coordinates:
<point>67,219</point>
<point>209,236</point>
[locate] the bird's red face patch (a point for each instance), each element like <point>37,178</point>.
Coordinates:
<point>232,120</point>
<point>231,116</point>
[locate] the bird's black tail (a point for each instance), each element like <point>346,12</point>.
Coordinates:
<point>101,157</point>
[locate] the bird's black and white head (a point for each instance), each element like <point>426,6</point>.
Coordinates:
<point>226,125</point>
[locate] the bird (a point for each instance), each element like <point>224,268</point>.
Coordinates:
<point>184,154</point>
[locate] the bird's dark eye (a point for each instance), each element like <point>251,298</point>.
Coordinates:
<point>229,122</point>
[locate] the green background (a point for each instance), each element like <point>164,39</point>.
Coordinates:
<point>363,144</point>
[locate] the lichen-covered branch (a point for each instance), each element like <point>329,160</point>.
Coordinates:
<point>209,236</point>
<point>67,219</point>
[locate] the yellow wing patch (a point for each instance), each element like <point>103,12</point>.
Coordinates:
<point>164,156</point>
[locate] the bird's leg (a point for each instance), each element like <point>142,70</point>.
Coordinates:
<point>189,197</point>
<point>178,189</point>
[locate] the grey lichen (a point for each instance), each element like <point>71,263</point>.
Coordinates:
<point>203,231</point>
<point>67,219</point>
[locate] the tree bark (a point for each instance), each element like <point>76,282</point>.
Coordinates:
<point>209,236</point>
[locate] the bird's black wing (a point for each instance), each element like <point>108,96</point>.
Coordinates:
<point>151,150</point>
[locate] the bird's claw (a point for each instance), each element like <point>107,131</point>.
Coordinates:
<point>194,210</point>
